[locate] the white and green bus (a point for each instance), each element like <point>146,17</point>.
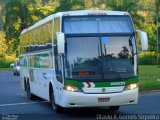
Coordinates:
<point>82,59</point>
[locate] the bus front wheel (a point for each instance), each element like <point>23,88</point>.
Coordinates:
<point>56,107</point>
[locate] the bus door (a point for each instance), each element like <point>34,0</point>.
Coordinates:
<point>59,76</point>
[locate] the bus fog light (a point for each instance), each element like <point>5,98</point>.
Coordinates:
<point>131,86</point>
<point>72,88</point>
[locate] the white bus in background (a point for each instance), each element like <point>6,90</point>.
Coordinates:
<point>82,59</point>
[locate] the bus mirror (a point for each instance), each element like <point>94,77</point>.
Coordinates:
<point>60,42</point>
<point>144,40</point>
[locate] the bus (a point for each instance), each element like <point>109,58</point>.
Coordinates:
<point>85,58</point>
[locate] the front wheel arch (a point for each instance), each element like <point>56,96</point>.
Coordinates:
<point>57,108</point>
<point>50,91</point>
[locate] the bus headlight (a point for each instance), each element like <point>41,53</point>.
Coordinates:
<point>131,86</point>
<point>72,88</point>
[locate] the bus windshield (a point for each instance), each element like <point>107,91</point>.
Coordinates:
<point>99,58</point>
<point>98,47</point>
<point>97,24</point>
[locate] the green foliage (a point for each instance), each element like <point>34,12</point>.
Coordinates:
<point>41,12</point>
<point>7,60</point>
<point>67,5</point>
<point>149,77</point>
<point>17,17</point>
<point>148,58</point>
<point>147,10</point>
<point>13,46</point>
<point>3,45</point>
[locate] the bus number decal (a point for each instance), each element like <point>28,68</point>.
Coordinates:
<point>117,83</point>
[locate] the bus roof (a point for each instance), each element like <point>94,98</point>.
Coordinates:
<point>74,13</point>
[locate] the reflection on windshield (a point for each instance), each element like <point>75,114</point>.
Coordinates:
<point>117,57</point>
<point>98,58</point>
<point>83,57</point>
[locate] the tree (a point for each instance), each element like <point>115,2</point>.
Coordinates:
<point>17,17</point>
<point>41,12</point>
<point>3,47</point>
<point>67,5</point>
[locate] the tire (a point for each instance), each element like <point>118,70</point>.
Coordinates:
<point>18,74</point>
<point>29,94</point>
<point>114,108</point>
<point>14,73</point>
<point>56,108</point>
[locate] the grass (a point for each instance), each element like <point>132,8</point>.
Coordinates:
<point>6,69</point>
<point>149,77</point>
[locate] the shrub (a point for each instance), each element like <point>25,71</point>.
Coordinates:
<point>148,58</point>
<point>7,60</point>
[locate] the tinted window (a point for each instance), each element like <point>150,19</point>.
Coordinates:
<point>97,24</point>
<point>99,58</point>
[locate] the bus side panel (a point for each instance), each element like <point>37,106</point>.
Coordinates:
<point>40,73</point>
<point>40,83</point>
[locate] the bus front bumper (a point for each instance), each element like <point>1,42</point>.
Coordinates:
<point>78,99</point>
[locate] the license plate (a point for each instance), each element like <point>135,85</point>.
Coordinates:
<point>103,99</point>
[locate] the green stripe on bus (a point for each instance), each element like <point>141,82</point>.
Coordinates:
<point>118,83</point>
<point>73,83</point>
<point>132,80</point>
<point>102,84</point>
